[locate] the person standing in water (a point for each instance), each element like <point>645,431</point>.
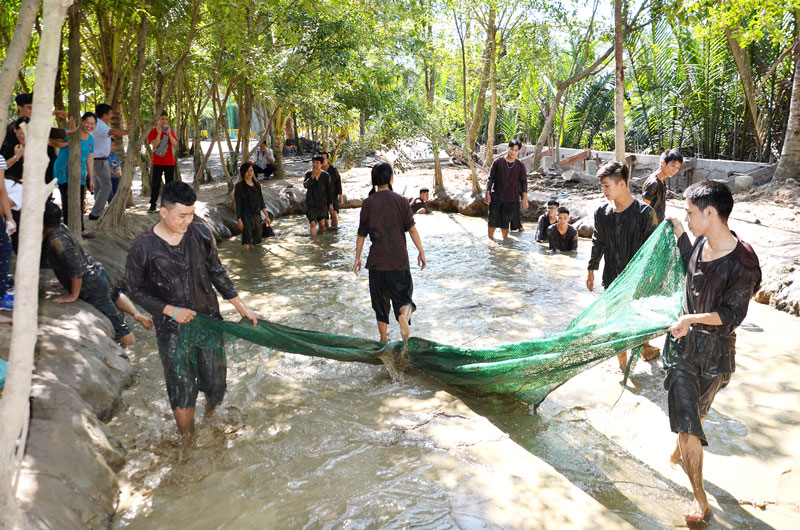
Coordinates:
<point>249,206</point>
<point>172,270</point>
<point>337,199</point>
<point>385,217</point>
<point>722,275</point>
<point>318,196</point>
<point>508,182</point>
<point>562,236</point>
<point>621,226</point>
<point>550,217</point>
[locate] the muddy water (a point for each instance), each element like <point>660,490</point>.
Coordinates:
<point>309,443</point>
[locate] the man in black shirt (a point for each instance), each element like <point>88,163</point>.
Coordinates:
<point>420,204</point>
<point>84,278</point>
<point>654,190</point>
<point>562,236</point>
<point>722,274</point>
<point>508,182</point>
<point>337,199</point>
<point>546,219</point>
<point>319,198</point>
<point>621,226</point>
<point>172,270</point>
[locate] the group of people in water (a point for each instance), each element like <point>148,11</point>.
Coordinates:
<point>173,271</point>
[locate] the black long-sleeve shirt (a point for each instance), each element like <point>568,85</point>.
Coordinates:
<point>541,228</point>
<point>507,182</point>
<point>725,286</point>
<point>160,274</point>
<point>68,259</point>
<point>618,235</point>
<point>335,182</point>
<point>318,192</point>
<point>249,200</point>
<point>563,242</point>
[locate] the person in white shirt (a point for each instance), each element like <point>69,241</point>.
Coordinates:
<point>264,161</point>
<point>102,149</point>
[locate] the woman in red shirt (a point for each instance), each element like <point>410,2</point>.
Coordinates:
<point>162,139</point>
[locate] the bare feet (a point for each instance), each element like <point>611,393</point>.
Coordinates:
<point>650,353</point>
<point>127,340</point>
<point>143,320</point>
<point>404,319</point>
<point>698,513</point>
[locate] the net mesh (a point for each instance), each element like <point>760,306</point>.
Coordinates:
<point>641,303</point>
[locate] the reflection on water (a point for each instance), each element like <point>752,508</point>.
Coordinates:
<point>305,442</point>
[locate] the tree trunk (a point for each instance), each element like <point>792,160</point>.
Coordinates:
<point>362,124</point>
<point>113,219</point>
<point>15,405</point>
<point>547,127</point>
<point>15,54</point>
<point>789,163</point>
<point>277,142</point>
<point>619,84</point>
<point>480,102</point>
<point>245,113</point>
<point>74,164</point>
<point>490,133</point>
<point>743,65</point>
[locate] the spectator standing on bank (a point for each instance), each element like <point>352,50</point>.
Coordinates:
<point>163,141</point>
<point>102,134</point>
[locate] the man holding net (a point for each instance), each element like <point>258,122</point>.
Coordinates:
<point>170,271</point>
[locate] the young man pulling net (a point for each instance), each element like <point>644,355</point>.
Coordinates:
<point>171,269</point>
<point>621,226</point>
<point>722,274</point>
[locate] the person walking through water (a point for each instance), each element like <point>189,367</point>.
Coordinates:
<point>249,206</point>
<point>722,275</point>
<point>163,140</point>
<point>172,270</point>
<point>508,182</point>
<point>621,226</point>
<point>318,196</point>
<point>386,216</point>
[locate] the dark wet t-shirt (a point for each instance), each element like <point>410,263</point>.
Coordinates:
<point>544,224</point>
<point>618,235</point>
<point>507,181</point>
<point>723,286</point>
<point>559,241</point>
<point>336,181</point>
<point>318,192</point>
<point>249,200</point>
<point>655,191</point>
<point>68,259</point>
<point>386,217</point>
<point>184,275</point>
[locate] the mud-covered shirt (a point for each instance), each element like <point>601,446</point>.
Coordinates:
<point>335,182</point>
<point>565,241</point>
<point>318,192</point>
<point>69,260</point>
<point>184,275</point>
<point>655,191</point>
<point>386,217</point>
<point>249,200</point>
<point>544,224</point>
<point>507,181</point>
<point>723,286</point>
<point>618,235</point>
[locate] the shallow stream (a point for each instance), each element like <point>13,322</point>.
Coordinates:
<point>302,442</point>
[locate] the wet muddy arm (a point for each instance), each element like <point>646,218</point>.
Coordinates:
<point>685,248</point>
<point>359,248</point>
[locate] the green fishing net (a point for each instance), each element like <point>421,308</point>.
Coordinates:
<point>641,303</point>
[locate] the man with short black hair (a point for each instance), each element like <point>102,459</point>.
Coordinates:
<point>102,134</point>
<point>654,189</point>
<point>337,198</point>
<point>546,219</point>
<point>722,275</point>
<point>508,183</point>
<point>562,236</point>
<point>264,161</point>
<point>420,204</point>
<point>85,278</point>
<point>621,226</point>
<point>172,270</point>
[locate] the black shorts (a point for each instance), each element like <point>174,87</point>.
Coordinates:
<point>390,286</point>
<point>501,214</point>
<point>183,382</point>
<point>251,235</point>
<point>689,397</point>
<point>316,215</point>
